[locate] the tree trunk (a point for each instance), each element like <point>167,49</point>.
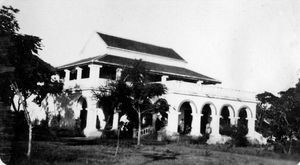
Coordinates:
<point>29,140</point>
<point>139,129</point>
<point>118,142</point>
<point>290,147</point>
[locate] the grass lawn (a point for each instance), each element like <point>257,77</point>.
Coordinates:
<point>99,151</point>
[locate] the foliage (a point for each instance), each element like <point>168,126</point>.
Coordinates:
<point>8,23</point>
<point>31,76</point>
<point>237,133</point>
<point>132,94</point>
<point>281,117</point>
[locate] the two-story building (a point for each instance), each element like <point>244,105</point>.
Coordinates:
<point>193,98</point>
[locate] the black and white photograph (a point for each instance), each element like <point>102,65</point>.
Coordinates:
<point>150,82</point>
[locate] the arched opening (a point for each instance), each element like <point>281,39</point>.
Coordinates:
<point>242,121</point>
<point>83,112</point>
<point>105,109</point>
<point>185,118</point>
<point>206,119</point>
<point>224,120</point>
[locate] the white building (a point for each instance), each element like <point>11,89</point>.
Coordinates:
<point>192,96</point>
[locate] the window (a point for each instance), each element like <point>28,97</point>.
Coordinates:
<point>61,74</point>
<point>154,78</point>
<point>108,72</point>
<point>85,72</point>
<point>73,74</point>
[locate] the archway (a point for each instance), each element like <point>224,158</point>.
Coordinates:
<point>225,120</point>
<point>104,113</point>
<point>185,118</point>
<point>83,112</point>
<point>205,118</point>
<point>242,121</point>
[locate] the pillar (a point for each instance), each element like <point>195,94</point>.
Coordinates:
<point>196,124</point>
<point>233,120</point>
<point>79,73</point>
<point>118,73</point>
<point>164,78</point>
<point>101,117</point>
<point>90,129</point>
<point>231,115</point>
<point>215,125</point>
<point>199,82</point>
<point>67,75</point>
<point>251,126</point>
<point>154,118</point>
<point>215,136</point>
<point>94,71</point>
<point>115,120</point>
<point>172,121</point>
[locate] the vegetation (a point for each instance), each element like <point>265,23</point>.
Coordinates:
<point>279,117</point>
<point>237,133</point>
<point>31,76</point>
<point>132,94</point>
<point>95,151</point>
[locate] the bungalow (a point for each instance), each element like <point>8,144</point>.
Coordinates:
<point>195,102</point>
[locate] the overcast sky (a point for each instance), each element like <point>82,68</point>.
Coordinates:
<point>251,45</point>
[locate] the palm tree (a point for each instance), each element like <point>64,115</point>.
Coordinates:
<point>132,93</point>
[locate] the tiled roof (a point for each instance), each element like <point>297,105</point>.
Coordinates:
<point>153,67</point>
<point>139,46</point>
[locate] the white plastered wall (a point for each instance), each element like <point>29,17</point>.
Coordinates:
<point>176,100</point>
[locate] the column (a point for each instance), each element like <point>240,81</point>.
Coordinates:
<point>196,125</point>
<point>95,71</point>
<point>67,75</point>
<point>154,118</point>
<point>115,120</point>
<point>94,74</point>
<point>164,78</point>
<point>233,120</point>
<point>101,117</point>
<point>172,121</point>
<point>199,82</point>
<point>215,125</point>
<point>118,73</point>
<point>251,126</point>
<point>90,129</point>
<point>231,115</point>
<point>79,73</point>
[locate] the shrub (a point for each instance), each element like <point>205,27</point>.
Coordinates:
<point>42,132</point>
<point>200,140</point>
<point>237,133</point>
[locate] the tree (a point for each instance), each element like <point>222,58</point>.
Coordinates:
<point>280,117</point>
<point>132,93</point>
<point>8,23</point>
<point>32,76</point>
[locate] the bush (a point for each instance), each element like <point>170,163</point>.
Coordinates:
<point>237,133</point>
<point>227,130</point>
<point>200,140</point>
<point>42,132</point>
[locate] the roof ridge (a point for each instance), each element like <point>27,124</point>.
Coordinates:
<point>135,41</point>
<point>138,46</point>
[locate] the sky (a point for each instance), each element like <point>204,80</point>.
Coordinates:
<point>250,45</point>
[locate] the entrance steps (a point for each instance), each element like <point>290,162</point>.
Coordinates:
<point>144,132</point>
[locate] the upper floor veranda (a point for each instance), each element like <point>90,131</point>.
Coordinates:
<point>92,76</point>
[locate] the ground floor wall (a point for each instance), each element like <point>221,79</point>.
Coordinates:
<point>196,108</point>
<point>192,115</point>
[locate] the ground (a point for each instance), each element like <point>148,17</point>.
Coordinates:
<point>99,151</point>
